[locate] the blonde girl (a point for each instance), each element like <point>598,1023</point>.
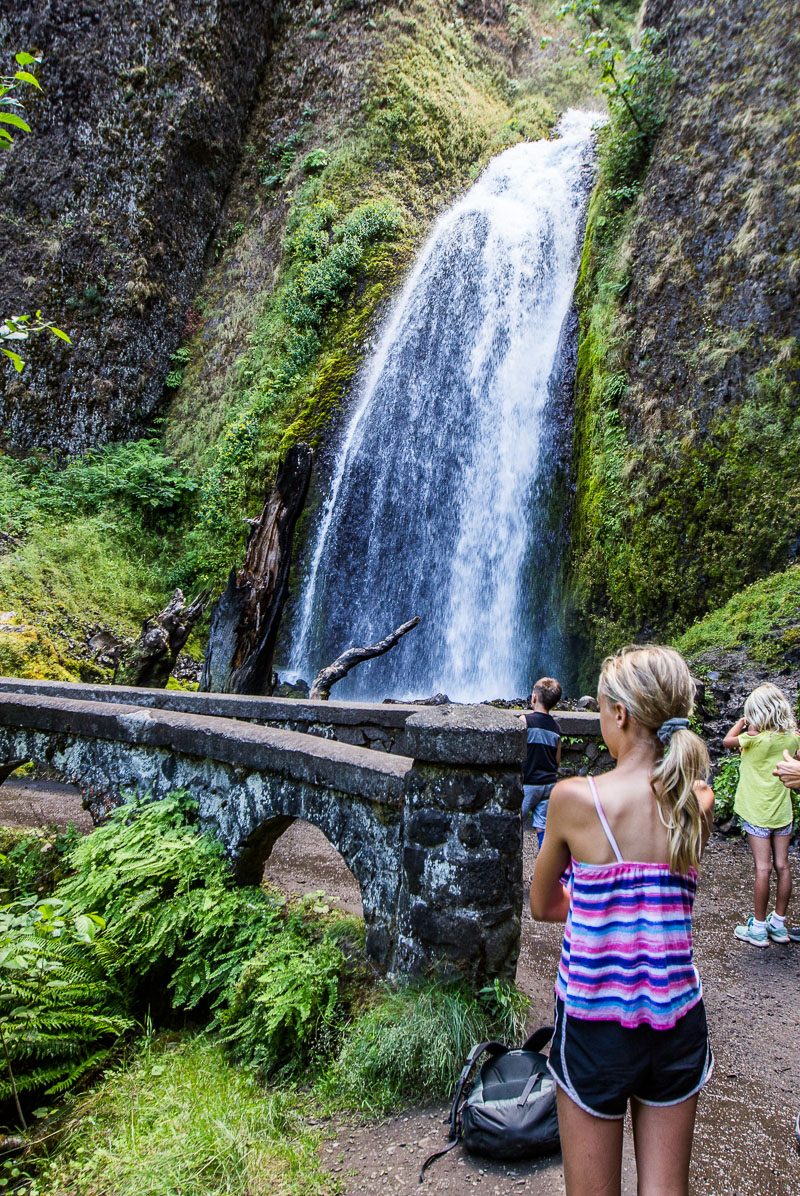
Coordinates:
<point>629,1019</point>
<point>764,804</point>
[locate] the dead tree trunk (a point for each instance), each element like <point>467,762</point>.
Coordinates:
<point>151,658</point>
<point>326,678</point>
<point>244,623</point>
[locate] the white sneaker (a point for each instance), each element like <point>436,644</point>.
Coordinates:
<point>749,934</point>
<point>777,931</point>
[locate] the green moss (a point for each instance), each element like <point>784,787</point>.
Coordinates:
<point>764,619</point>
<point>27,653</point>
<point>65,581</point>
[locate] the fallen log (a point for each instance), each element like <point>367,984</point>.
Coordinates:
<point>151,658</point>
<point>244,623</point>
<point>327,677</point>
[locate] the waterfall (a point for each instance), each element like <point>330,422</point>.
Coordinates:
<point>444,501</point>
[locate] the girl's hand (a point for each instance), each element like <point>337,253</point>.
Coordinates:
<point>731,740</point>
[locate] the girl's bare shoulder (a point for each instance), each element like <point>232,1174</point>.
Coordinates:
<point>571,790</point>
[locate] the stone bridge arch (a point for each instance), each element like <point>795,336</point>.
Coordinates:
<point>422,803</point>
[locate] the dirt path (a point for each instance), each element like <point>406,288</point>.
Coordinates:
<point>744,1144</point>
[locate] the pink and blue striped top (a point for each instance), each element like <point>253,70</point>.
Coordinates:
<point>627,953</point>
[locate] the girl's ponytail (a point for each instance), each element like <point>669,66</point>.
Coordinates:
<point>685,761</point>
<point>655,687</point>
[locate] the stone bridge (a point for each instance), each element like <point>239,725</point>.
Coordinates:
<point>423,803</point>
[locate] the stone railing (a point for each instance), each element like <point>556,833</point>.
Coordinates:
<point>433,835</point>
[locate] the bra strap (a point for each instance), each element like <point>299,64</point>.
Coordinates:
<point>601,814</point>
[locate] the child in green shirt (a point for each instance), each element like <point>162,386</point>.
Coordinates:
<point>764,805</point>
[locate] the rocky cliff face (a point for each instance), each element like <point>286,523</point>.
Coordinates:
<point>688,402</point>
<point>107,208</point>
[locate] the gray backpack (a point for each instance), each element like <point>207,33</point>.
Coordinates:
<point>510,1112</point>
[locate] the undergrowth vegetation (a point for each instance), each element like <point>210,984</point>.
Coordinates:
<point>178,1118</point>
<point>150,931</point>
<point>86,546</point>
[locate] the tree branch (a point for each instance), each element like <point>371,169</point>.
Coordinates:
<point>326,678</point>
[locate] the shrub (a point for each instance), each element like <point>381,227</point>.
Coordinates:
<point>286,999</point>
<point>726,778</point>
<point>137,474</point>
<point>169,896</point>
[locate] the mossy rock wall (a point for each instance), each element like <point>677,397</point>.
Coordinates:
<point>107,207</point>
<point>688,409</point>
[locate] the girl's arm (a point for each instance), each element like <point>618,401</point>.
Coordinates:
<point>705,796</point>
<point>549,898</point>
<point>731,740</point>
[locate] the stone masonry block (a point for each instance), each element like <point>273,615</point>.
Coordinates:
<point>474,735</point>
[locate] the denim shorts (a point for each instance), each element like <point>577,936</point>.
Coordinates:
<point>601,1065</point>
<point>764,832</point>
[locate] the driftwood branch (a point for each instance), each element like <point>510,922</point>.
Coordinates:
<point>326,678</point>
<point>244,623</point>
<point>151,658</point>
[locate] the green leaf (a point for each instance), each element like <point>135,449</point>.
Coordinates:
<point>25,59</point>
<point>61,335</point>
<point>19,364</point>
<point>27,77</point>
<point>10,119</point>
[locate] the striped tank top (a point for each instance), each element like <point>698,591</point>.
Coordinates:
<point>627,953</point>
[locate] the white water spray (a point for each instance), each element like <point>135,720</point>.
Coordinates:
<point>441,503</point>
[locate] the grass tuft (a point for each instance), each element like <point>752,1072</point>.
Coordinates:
<point>411,1044</point>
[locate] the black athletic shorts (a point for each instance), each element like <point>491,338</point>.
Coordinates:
<point>601,1065</point>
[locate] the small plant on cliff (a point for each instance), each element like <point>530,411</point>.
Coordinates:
<point>17,329</point>
<point>635,82</point>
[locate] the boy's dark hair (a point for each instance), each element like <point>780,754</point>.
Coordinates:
<point>548,691</point>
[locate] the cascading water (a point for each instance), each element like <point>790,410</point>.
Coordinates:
<point>442,502</point>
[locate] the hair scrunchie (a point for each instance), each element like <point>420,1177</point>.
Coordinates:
<point>664,732</point>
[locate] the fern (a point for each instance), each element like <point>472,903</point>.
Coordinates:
<point>285,999</point>
<point>169,896</point>
<point>62,1007</point>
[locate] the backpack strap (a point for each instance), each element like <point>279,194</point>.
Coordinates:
<point>494,1048</point>
<point>538,1039</point>
<point>454,1137</point>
